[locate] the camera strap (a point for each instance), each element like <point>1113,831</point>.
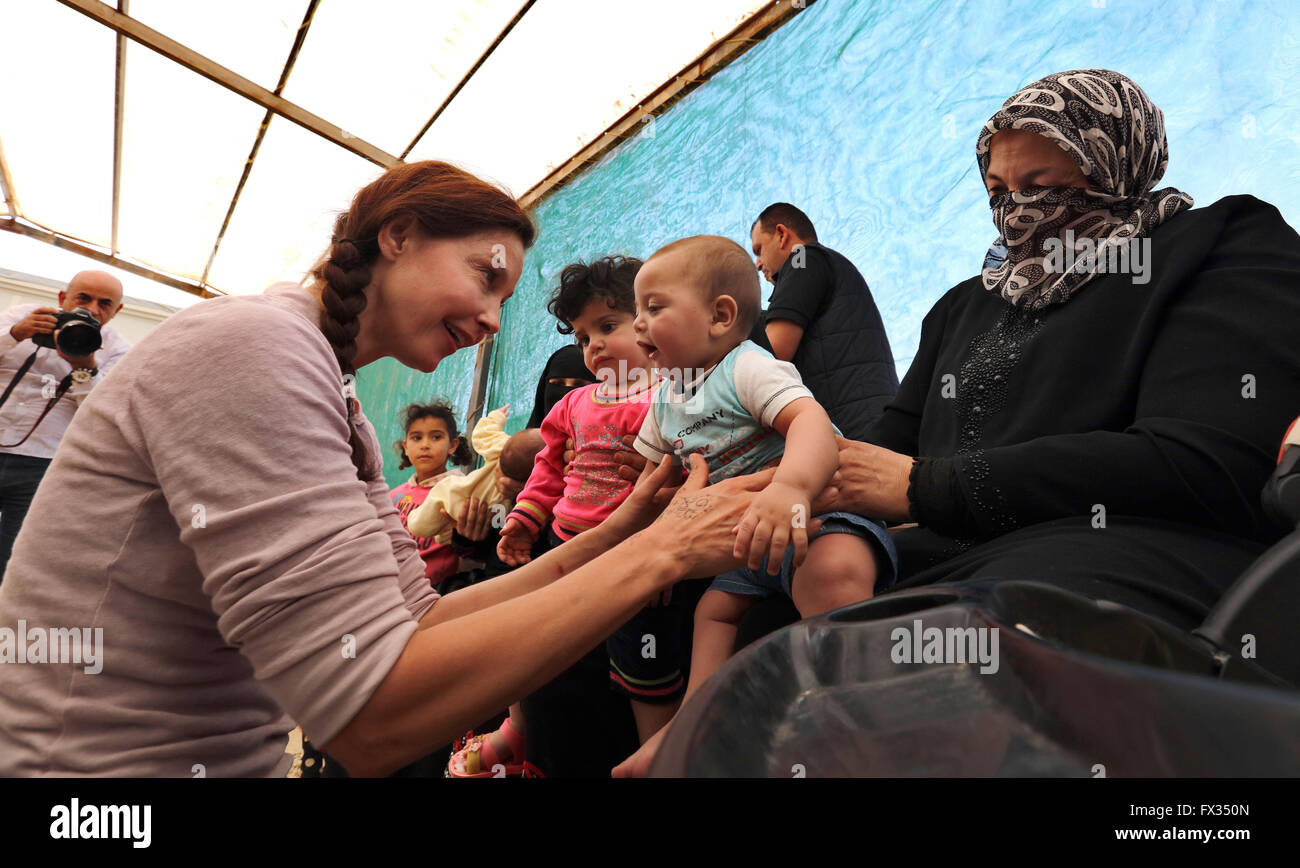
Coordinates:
<point>22,371</point>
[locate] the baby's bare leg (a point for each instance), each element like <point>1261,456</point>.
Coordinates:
<point>651,717</point>
<point>840,569</point>
<point>717,617</point>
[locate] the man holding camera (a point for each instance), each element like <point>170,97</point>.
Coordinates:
<point>49,361</point>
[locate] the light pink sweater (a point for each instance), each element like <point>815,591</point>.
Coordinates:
<point>204,512</point>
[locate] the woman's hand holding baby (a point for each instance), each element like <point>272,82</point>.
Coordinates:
<point>871,481</point>
<point>655,487</point>
<point>631,463</point>
<point>697,528</point>
<point>474,521</point>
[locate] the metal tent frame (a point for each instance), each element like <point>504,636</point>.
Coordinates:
<point>126,28</point>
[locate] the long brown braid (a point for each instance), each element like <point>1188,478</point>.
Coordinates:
<point>448,202</point>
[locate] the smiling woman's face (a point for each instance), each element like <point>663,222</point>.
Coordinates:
<point>430,297</point>
<point>1019,159</point>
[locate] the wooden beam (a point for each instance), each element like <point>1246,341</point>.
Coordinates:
<point>465,79</point>
<point>747,34</point>
<point>41,234</point>
<point>119,107</point>
<point>7,187</point>
<point>213,71</point>
<point>298,40</point>
<point>479,385</point>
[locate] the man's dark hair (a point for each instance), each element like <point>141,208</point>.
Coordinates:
<point>610,278</point>
<point>792,217</point>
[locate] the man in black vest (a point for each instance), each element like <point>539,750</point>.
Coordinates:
<point>821,317</point>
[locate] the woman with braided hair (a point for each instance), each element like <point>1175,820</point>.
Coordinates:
<point>241,565</point>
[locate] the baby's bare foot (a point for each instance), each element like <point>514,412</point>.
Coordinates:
<point>638,764</point>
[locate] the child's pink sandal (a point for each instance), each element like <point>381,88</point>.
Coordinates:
<point>478,759</point>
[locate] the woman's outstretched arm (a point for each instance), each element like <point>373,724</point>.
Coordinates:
<point>647,500</point>
<point>490,650</point>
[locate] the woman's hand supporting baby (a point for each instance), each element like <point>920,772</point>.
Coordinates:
<point>567,601</point>
<point>474,521</point>
<point>872,481</point>
<point>698,524</point>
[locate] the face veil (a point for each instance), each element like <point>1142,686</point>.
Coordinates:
<point>564,363</point>
<point>1116,135</point>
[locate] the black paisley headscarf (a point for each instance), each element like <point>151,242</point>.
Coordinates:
<point>1116,134</point>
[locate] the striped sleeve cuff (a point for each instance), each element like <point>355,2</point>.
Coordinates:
<point>531,516</point>
<point>781,399</point>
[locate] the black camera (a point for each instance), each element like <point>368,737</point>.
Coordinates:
<point>78,333</point>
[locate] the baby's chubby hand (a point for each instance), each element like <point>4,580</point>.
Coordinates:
<point>777,518</point>
<point>516,545</point>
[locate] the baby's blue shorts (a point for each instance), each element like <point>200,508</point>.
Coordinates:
<point>758,583</point>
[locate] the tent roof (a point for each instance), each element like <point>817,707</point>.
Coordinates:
<point>208,144</point>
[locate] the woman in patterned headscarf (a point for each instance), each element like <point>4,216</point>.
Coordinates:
<point>1112,146</point>
<point>1104,429</point>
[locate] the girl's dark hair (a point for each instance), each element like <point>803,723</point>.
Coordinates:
<point>609,277</point>
<point>446,201</point>
<point>436,409</point>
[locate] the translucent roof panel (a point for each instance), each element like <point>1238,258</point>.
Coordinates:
<point>250,37</point>
<point>56,118</point>
<point>54,263</point>
<point>298,185</point>
<point>565,74</point>
<point>380,69</point>
<point>184,144</point>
